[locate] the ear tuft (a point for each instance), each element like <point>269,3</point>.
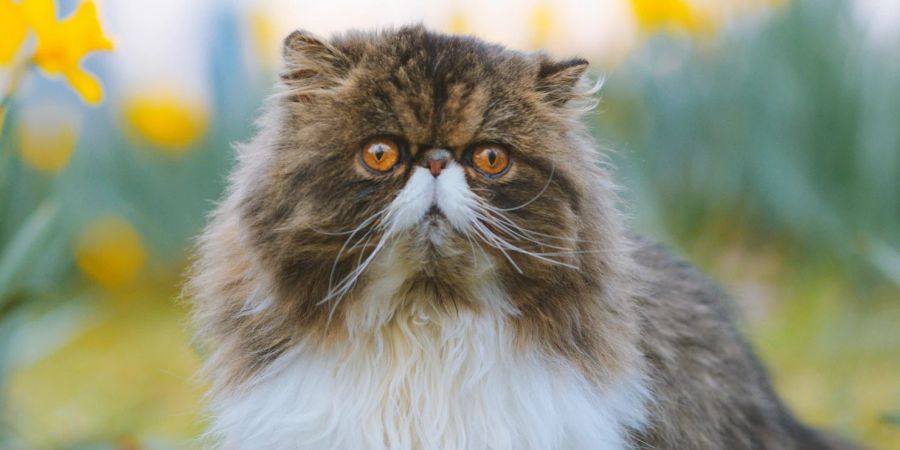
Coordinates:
<point>300,41</point>
<point>557,79</point>
<point>311,63</point>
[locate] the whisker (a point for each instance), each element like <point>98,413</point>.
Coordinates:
<point>347,283</point>
<point>514,228</point>
<point>492,239</point>
<point>505,245</point>
<point>473,240</point>
<point>368,238</point>
<point>472,246</point>
<point>498,212</point>
<point>544,189</point>
<point>344,233</point>
<point>520,234</point>
<point>506,225</point>
<point>337,258</point>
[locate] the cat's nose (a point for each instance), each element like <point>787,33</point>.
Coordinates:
<point>436,159</point>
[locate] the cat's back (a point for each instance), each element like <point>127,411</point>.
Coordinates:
<point>710,390</point>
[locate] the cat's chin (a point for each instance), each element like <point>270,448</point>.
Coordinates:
<point>434,230</point>
<point>435,240</point>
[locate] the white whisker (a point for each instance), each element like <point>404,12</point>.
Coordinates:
<point>544,189</point>
<point>503,245</point>
<point>343,287</point>
<point>493,217</point>
<point>518,232</point>
<point>344,233</point>
<point>350,280</point>
<point>492,239</point>
<point>337,258</point>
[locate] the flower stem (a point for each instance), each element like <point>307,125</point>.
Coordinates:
<point>18,74</point>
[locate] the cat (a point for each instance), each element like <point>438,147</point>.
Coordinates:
<point>421,249</point>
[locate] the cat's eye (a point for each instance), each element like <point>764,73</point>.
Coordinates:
<point>491,160</point>
<point>380,155</point>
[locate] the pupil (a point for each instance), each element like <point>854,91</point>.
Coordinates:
<point>379,152</point>
<point>492,157</point>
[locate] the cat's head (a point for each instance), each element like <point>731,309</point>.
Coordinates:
<point>445,155</point>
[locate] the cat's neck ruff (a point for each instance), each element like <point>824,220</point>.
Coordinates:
<point>415,378</point>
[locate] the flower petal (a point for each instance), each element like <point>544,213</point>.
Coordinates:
<point>61,45</point>
<point>12,22</point>
<point>653,15</point>
<point>40,15</point>
<point>110,251</point>
<point>166,120</point>
<point>85,24</point>
<point>85,85</point>
<point>47,148</point>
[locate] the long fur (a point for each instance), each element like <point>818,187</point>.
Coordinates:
<point>425,381</point>
<point>345,309</point>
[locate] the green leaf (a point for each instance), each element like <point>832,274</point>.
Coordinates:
<point>892,418</point>
<point>25,246</point>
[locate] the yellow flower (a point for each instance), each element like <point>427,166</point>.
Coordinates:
<point>47,148</point>
<point>166,120</point>
<point>655,14</point>
<point>47,134</point>
<point>264,37</point>
<point>110,251</point>
<point>126,361</point>
<point>61,44</point>
<point>459,23</point>
<point>541,24</point>
<point>15,29</point>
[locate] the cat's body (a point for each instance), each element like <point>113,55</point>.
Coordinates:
<point>418,251</point>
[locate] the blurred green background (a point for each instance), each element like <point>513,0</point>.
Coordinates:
<point>760,139</point>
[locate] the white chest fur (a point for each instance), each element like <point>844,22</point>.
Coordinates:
<point>411,377</point>
<point>426,385</point>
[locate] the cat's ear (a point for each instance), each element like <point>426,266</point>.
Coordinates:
<point>557,80</point>
<point>311,63</point>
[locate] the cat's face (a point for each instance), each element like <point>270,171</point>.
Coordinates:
<point>444,152</point>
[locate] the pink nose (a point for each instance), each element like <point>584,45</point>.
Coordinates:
<point>436,159</point>
<point>436,166</point>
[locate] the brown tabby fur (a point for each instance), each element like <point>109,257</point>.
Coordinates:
<point>630,305</point>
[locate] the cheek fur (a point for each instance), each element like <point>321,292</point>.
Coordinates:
<point>412,203</point>
<point>449,192</point>
<point>455,199</point>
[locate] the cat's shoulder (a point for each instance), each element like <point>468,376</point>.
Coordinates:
<point>669,281</point>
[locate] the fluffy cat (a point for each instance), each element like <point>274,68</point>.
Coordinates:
<point>419,250</point>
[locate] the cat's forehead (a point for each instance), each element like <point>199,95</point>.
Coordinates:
<point>438,89</point>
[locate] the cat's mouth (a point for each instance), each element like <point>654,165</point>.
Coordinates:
<point>434,213</point>
<point>434,227</point>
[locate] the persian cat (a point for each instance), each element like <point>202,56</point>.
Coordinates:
<point>420,250</point>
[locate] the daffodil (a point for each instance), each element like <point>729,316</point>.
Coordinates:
<point>15,29</point>
<point>655,14</point>
<point>110,251</point>
<point>264,37</point>
<point>459,23</point>
<point>541,24</point>
<point>61,44</point>
<point>166,120</point>
<point>47,148</point>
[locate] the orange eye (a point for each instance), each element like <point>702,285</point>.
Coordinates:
<point>380,155</point>
<point>490,159</point>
